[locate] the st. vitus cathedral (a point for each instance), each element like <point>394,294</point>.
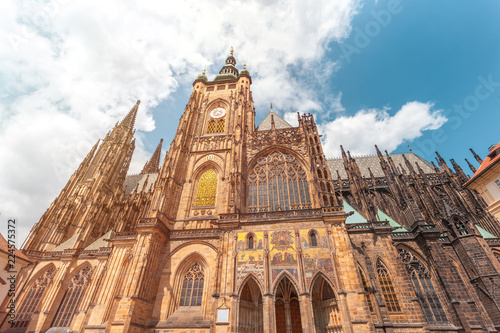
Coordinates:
<point>248,228</point>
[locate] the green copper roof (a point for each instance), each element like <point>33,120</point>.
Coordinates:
<point>355,217</point>
<point>384,217</point>
<point>68,244</point>
<point>484,233</point>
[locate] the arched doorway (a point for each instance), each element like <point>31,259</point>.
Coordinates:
<point>325,307</point>
<point>251,310</point>
<point>287,308</point>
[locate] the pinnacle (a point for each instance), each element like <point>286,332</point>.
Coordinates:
<point>153,165</point>
<point>129,119</point>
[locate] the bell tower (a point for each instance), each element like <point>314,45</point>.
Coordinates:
<point>202,173</point>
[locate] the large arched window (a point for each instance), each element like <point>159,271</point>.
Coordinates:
<point>207,189</point>
<point>72,298</point>
<point>391,300</point>
<point>277,182</point>
<point>33,298</point>
<point>422,284</point>
<point>192,286</point>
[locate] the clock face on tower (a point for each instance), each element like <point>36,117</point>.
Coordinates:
<point>217,113</point>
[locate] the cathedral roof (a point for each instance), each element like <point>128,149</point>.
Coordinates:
<point>101,242</point>
<point>132,181</point>
<point>373,162</point>
<point>355,217</point>
<point>68,244</point>
<point>384,217</point>
<point>492,159</point>
<point>279,122</point>
<point>484,233</point>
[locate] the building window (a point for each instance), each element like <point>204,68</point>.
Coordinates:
<point>72,298</point>
<point>462,230</point>
<point>391,300</point>
<point>192,286</point>
<point>424,289</point>
<point>277,182</point>
<point>220,126</point>
<point>207,189</point>
<point>211,126</point>
<point>250,242</point>
<point>33,298</point>
<point>368,293</point>
<point>314,238</point>
<point>497,183</point>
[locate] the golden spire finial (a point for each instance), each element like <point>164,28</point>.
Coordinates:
<point>232,50</point>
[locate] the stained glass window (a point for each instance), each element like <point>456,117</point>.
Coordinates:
<point>72,298</point>
<point>424,289</point>
<point>276,182</point>
<point>33,298</point>
<point>207,189</point>
<point>192,286</point>
<point>220,126</point>
<point>211,126</point>
<point>391,300</point>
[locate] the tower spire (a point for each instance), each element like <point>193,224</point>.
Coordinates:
<point>476,156</point>
<point>129,119</point>
<point>153,165</point>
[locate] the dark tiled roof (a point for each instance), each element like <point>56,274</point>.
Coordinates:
<point>279,122</point>
<point>373,162</point>
<point>492,158</point>
<point>131,182</point>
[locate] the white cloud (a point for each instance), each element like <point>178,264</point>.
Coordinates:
<point>360,132</point>
<point>71,69</point>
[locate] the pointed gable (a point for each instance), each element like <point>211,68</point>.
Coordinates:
<point>355,217</point>
<point>381,216</point>
<point>68,244</point>
<point>279,123</point>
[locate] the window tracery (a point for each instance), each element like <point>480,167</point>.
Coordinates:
<point>277,182</point>
<point>192,286</point>
<point>72,298</point>
<point>424,289</point>
<point>207,189</point>
<point>211,126</point>
<point>391,300</point>
<point>220,126</point>
<point>33,298</point>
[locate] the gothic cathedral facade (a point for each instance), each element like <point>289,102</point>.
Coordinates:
<point>251,229</point>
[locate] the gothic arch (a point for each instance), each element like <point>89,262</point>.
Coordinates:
<point>71,294</point>
<point>419,274</point>
<point>287,309</point>
<point>284,273</point>
<point>278,181</point>
<point>178,278</point>
<point>206,186</point>
<point>281,149</point>
<point>318,275</point>
<point>33,294</point>
<point>324,299</point>
<point>250,276</point>
<point>387,286</point>
<point>250,306</point>
<point>183,245</point>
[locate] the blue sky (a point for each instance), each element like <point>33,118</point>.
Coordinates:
<point>428,51</point>
<point>394,73</point>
